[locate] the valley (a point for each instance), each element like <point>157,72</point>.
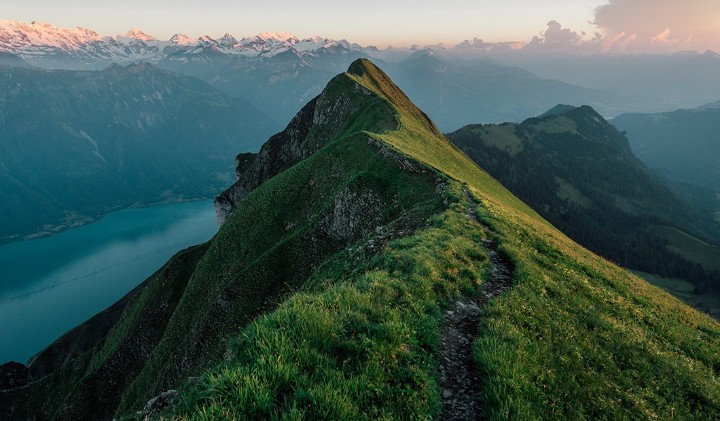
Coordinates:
<point>76,145</point>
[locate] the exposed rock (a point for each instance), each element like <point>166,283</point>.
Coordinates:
<point>353,211</point>
<point>158,403</point>
<point>323,119</point>
<point>242,162</point>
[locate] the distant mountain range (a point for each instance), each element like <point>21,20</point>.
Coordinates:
<point>76,144</point>
<point>457,93</point>
<point>45,45</point>
<point>680,80</point>
<point>578,171</point>
<point>683,145</point>
<point>278,72</point>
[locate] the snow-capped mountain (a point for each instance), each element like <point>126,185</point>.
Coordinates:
<point>45,45</point>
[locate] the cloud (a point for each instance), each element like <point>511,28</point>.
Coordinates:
<point>557,39</point>
<point>661,24</point>
<point>557,35</point>
<point>627,26</point>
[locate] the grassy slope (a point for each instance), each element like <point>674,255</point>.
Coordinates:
<point>576,337</point>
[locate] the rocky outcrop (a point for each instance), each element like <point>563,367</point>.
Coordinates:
<point>282,150</point>
<point>323,119</point>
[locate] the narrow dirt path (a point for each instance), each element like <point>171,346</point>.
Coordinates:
<point>458,374</point>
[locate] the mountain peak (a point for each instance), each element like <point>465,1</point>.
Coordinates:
<point>372,77</point>
<point>181,39</point>
<point>228,38</point>
<point>558,110</point>
<point>362,66</point>
<point>135,33</point>
<point>277,36</point>
<point>575,113</point>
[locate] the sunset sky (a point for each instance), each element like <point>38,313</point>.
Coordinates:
<point>662,25</point>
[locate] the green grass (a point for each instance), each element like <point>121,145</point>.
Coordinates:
<point>579,338</point>
<point>271,245</point>
<point>501,136</point>
<point>361,345</point>
<point>691,248</point>
<point>560,124</point>
<point>322,296</point>
<point>575,338</point>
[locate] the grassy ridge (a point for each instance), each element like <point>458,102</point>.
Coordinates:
<point>577,337</point>
<point>360,344</point>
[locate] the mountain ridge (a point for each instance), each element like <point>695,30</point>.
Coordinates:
<point>681,145</point>
<point>35,41</point>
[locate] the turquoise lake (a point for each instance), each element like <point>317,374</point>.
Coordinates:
<point>50,285</point>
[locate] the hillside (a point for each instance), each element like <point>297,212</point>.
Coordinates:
<point>683,145</point>
<point>579,172</point>
<point>77,144</point>
<point>7,59</point>
<point>331,292</point>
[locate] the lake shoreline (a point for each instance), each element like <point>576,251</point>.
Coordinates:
<point>52,284</point>
<point>81,220</point>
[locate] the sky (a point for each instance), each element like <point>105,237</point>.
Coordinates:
<point>594,25</point>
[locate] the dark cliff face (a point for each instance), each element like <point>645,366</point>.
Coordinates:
<point>277,154</point>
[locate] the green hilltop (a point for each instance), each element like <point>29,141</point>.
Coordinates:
<point>325,294</point>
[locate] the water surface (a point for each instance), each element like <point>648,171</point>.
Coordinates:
<point>52,284</point>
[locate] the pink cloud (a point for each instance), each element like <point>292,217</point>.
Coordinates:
<point>662,24</point>
<point>557,39</point>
